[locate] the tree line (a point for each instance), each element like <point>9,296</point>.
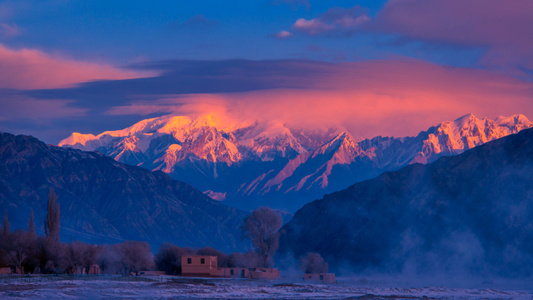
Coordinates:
<point>27,252</point>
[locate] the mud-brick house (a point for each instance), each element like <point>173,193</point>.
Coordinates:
<point>320,277</point>
<point>198,265</point>
<point>207,266</point>
<point>264,273</point>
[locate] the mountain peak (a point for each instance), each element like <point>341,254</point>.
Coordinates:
<point>465,120</point>
<point>77,138</point>
<point>270,160</point>
<point>342,141</point>
<point>466,132</point>
<point>514,120</point>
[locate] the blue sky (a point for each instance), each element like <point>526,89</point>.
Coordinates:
<point>87,66</point>
<point>129,31</point>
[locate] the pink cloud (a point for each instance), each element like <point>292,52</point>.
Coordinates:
<point>34,69</point>
<point>399,97</point>
<point>502,26</point>
<point>335,21</point>
<point>282,35</point>
<point>467,22</point>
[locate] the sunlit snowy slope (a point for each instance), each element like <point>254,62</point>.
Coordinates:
<point>252,164</point>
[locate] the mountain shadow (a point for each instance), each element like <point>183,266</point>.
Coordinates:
<point>104,201</point>
<point>471,213</point>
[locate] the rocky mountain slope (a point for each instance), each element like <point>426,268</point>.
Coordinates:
<point>465,214</point>
<point>248,165</point>
<point>102,200</point>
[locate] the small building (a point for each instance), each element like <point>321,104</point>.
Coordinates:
<point>198,265</point>
<point>230,273</point>
<point>264,273</point>
<point>320,277</point>
<point>6,270</point>
<point>239,272</point>
<point>207,266</point>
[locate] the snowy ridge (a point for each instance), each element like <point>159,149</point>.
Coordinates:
<point>264,160</point>
<point>467,132</point>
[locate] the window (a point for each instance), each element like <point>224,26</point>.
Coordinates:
<point>189,260</point>
<point>322,277</point>
<point>231,271</point>
<point>242,273</point>
<point>202,261</point>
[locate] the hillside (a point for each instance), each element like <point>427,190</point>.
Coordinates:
<point>102,200</point>
<point>247,165</point>
<point>468,213</point>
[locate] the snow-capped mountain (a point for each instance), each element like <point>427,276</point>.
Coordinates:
<point>249,164</point>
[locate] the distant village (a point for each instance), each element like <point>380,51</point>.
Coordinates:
<point>197,266</point>
<point>24,252</point>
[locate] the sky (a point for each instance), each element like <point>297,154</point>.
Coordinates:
<point>376,67</point>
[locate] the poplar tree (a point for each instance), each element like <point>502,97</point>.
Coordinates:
<point>262,227</point>
<point>51,221</point>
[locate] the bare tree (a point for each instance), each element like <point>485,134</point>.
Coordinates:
<point>126,258</point>
<point>137,256</point>
<point>313,263</point>
<point>18,254</point>
<point>21,250</point>
<point>3,255</point>
<point>168,258</point>
<point>74,257</point>
<point>222,258</point>
<point>51,222</point>
<point>50,255</point>
<point>31,224</point>
<point>90,255</point>
<point>110,260</point>
<point>243,260</point>
<point>261,227</point>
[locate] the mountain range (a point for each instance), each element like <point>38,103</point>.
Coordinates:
<point>104,201</point>
<point>465,214</point>
<point>247,165</point>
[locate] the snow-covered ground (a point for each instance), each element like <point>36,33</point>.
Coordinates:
<point>176,287</point>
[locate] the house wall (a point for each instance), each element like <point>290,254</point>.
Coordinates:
<point>230,273</point>
<point>264,273</point>
<point>193,266</point>
<point>320,277</point>
<point>239,272</point>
